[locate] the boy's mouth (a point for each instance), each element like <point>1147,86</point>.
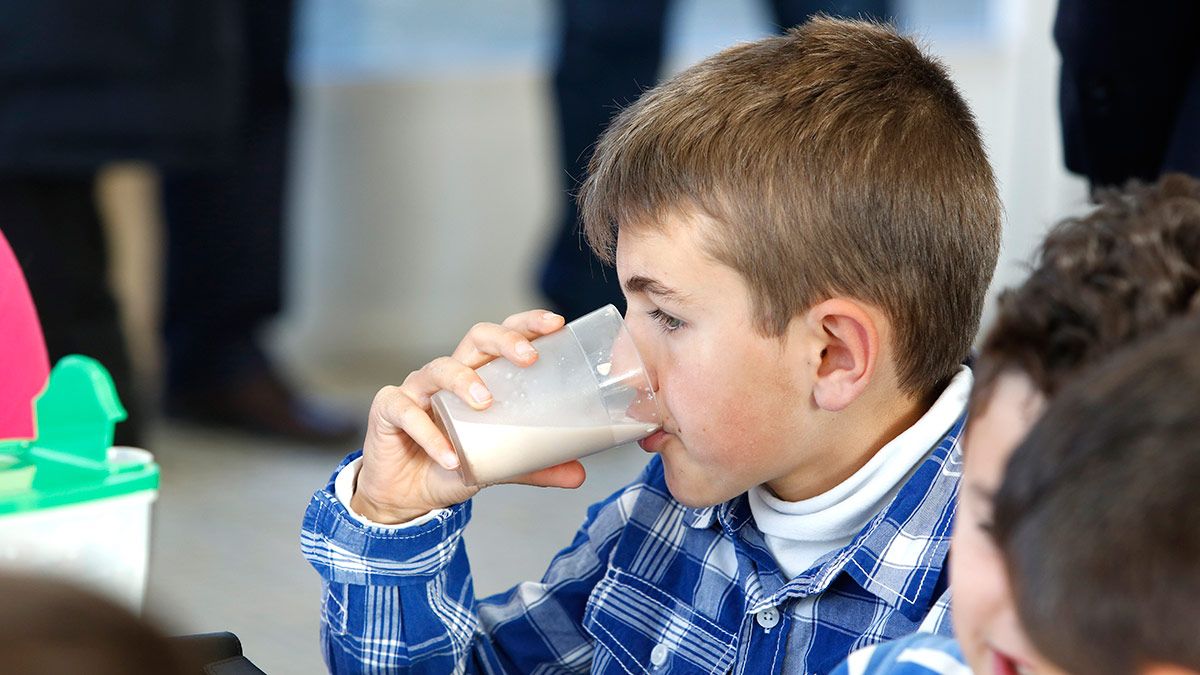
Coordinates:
<point>1003,664</point>
<point>654,441</point>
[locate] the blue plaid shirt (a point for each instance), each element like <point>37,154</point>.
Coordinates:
<point>648,585</point>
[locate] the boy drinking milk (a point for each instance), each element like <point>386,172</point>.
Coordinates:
<point>805,227</point>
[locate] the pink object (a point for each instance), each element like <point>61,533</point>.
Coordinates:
<point>24,364</point>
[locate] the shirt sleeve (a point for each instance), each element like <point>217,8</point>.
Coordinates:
<point>344,481</point>
<point>918,654</point>
<point>401,600</point>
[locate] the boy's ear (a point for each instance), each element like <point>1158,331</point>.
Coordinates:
<point>849,345</point>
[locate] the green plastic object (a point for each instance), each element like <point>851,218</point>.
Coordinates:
<point>79,409</point>
<point>16,470</point>
<point>70,462</point>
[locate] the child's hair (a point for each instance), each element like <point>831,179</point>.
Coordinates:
<point>1098,515</point>
<point>1100,282</point>
<point>835,159</point>
<point>49,627</point>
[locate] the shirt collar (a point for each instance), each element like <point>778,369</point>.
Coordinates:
<point>704,517</point>
<point>901,555</point>
<point>732,515</point>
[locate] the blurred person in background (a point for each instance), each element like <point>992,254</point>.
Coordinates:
<point>1097,516</point>
<point>1129,94</point>
<point>610,51</point>
<point>50,627</point>
<point>225,254</point>
<point>198,88</point>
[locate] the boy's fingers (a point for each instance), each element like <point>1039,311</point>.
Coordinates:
<point>486,341</point>
<point>400,412</point>
<point>449,373</point>
<point>566,475</point>
<point>535,322</point>
<point>407,407</point>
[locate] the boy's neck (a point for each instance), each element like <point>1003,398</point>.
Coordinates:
<point>851,437</point>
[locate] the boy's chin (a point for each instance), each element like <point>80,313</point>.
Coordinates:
<point>696,494</point>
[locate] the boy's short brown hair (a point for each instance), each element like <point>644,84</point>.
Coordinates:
<point>837,159</point>
<point>1098,516</point>
<point>1100,282</point>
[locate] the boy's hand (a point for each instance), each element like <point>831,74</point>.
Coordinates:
<point>409,466</point>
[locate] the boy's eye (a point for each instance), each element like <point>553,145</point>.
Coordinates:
<point>667,322</point>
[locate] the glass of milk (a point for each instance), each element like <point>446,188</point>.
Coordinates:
<point>588,391</point>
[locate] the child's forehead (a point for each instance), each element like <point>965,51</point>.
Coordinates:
<point>676,255</point>
<point>1010,408</point>
<point>680,250</point>
<point>1015,394</point>
<point>671,234</point>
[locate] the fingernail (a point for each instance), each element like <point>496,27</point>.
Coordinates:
<point>550,317</point>
<point>449,460</point>
<point>480,393</point>
<point>525,350</point>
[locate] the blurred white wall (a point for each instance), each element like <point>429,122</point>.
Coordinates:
<point>418,209</point>
<point>423,188</point>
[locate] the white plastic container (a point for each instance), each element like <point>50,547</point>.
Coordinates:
<point>86,523</point>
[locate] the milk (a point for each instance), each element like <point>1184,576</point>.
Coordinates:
<point>494,452</point>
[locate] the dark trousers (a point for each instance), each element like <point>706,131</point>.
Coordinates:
<point>611,51</point>
<point>54,228</point>
<point>224,251</point>
<point>225,227</point>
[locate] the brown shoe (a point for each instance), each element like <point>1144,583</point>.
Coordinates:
<point>264,404</point>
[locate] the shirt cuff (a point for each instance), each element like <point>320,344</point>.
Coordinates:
<point>343,489</point>
<point>344,550</point>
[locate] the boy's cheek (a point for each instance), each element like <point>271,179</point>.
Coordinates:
<point>705,466</point>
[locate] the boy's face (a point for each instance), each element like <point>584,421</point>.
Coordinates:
<point>733,401</point>
<point>985,618</point>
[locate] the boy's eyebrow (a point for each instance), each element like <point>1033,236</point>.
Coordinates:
<point>640,284</point>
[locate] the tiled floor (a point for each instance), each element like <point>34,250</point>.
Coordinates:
<point>225,552</point>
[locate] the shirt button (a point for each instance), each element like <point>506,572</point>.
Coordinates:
<point>768,618</point>
<point>658,655</point>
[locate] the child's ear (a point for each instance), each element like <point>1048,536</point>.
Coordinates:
<point>849,349</point>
